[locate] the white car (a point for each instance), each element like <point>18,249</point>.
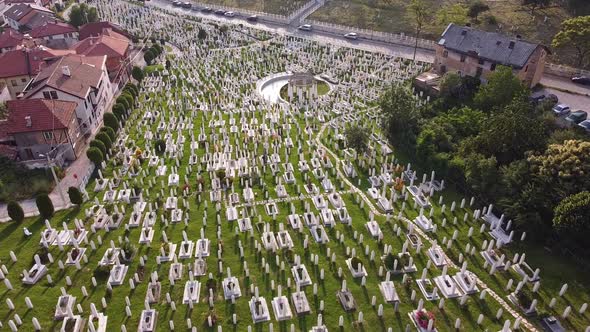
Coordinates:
<point>351,35</point>
<point>230,14</point>
<point>305,27</point>
<point>585,125</point>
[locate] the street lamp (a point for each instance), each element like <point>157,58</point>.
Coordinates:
<point>49,162</point>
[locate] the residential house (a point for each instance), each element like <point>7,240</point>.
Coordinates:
<point>473,52</point>
<point>95,29</point>
<point>19,66</point>
<point>78,78</point>
<point>10,39</point>
<point>41,127</point>
<point>55,34</point>
<point>25,17</point>
<point>115,46</point>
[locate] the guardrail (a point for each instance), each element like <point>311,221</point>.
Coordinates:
<point>393,38</point>
<point>274,18</point>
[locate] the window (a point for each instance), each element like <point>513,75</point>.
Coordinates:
<point>462,58</point>
<point>445,53</point>
<point>48,135</point>
<point>13,82</point>
<point>493,67</point>
<point>50,94</point>
<point>24,80</point>
<point>53,94</point>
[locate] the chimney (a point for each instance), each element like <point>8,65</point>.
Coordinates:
<point>511,45</point>
<point>66,71</point>
<point>28,121</point>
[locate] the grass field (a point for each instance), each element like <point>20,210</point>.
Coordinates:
<point>280,7</point>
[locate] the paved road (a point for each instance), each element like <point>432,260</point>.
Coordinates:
<point>321,36</point>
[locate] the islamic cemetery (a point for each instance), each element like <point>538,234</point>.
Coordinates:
<point>231,203</point>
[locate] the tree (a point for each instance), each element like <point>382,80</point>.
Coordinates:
<point>534,4</point>
<point>75,196</point>
<point>119,110</point>
<point>44,205</point>
<point>15,211</point>
<point>477,8</point>
<point>575,32</point>
<point>95,155</point>
<point>420,13</point>
<point>500,90</point>
<point>572,219</point>
<point>99,145</point>
<point>137,73</point>
<point>109,131</point>
<point>202,34</point>
<point>400,117</point>
<point>565,166</point>
<point>356,138</point>
<point>456,13</point>
<point>105,139</point>
<point>111,121</point>
<point>82,14</point>
<point>149,56</point>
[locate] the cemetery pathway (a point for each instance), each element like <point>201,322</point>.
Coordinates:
<point>506,307</point>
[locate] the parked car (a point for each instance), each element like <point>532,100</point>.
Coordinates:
<point>253,18</point>
<point>576,117</point>
<point>550,98</point>
<point>186,5</point>
<point>585,125</point>
<point>206,10</point>
<point>305,27</point>
<point>220,12</point>
<point>585,80</point>
<point>351,35</point>
<point>561,109</point>
<point>176,3</point>
<point>230,14</point>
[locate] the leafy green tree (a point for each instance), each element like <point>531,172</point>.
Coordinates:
<point>15,211</point>
<point>75,196</point>
<point>119,110</point>
<point>572,219</point>
<point>476,8</point>
<point>82,14</point>
<point>419,12</point>
<point>481,174</point>
<point>202,34</point>
<point>111,121</point>
<point>149,56</point>
<point>110,132</point>
<point>565,166</point>
<point>534,4</point>
<point>105,139</point>
<point>44,205</point>
<point>137,73</point>
<point>454,13</point>
<point>575,33</point>
<point>400,117</point>
<point>95,155</point>
<point>357,138</point>
<point>99,145</point>
<point>500,90</point>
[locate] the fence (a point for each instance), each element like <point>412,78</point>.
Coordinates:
<point>392,38</point>
<point>564,71</point>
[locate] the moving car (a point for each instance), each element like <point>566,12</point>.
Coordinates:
<point>230,14</point>
<point>585,80</point>
<point>585,125</point>
<point>305,27</point>
<point>176,3</point>
<point>206,10</point>
<point>253,18</point>
<point>351,35</point>
<point>220,12</point>
<point>576,117</point>
<point>561,109</point>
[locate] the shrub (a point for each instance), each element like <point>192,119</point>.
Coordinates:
<point>95,155</point>
<point>160,146</point>
<point>148,57</point>
<point>111,121</point>
<point>389,261</point>
<point>354,263</point>
<point>75,195</point>
<point>137,73</point>
<point>99,145</point>
<point>119,111</point>
<point>124,101</point>
<point>15,211</point>
<point>490,19</point>
<point>45,205</point>
<point>105,139</point>
<point>130,100</point>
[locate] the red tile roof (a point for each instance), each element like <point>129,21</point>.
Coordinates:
<point>24,61</point>
<point>45,115</point>
<point>111,44</point>
<point>10,38</point>
<point>85,73</point>
<point>20,10</point>
<point>96,29</point>
<point>51,29</point>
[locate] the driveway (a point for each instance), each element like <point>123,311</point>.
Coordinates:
<point>574,95</point>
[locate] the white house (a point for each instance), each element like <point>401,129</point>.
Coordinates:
<point>77,78</point>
